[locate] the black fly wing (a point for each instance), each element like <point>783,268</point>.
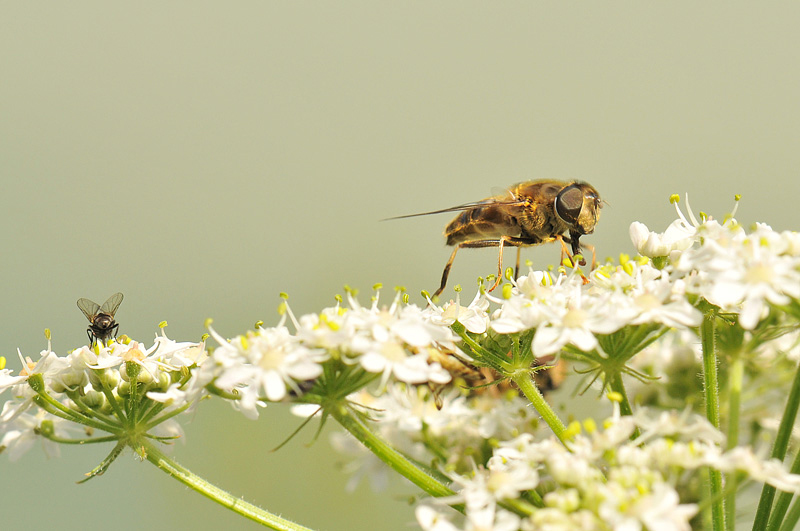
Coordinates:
<point>112,303</point>
<point>89,308</point>
<point>466,206</point>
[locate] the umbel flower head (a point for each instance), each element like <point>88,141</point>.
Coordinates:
<point>117,391</point>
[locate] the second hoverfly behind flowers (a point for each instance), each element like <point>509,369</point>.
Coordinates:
<point>529,213</point>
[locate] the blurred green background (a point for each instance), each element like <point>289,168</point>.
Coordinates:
<point>201,157</point>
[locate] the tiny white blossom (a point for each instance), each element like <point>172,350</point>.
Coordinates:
<point>679,236</point>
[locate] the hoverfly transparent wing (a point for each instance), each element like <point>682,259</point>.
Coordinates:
<point>89,308</point>
<point>492,201</point>
<point>112,303</point>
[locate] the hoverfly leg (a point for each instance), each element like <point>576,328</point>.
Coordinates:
<point>594,254</point>
<point>516,268</point>
<point>513,241</point>
<point>446,272</point>
<point>502,242</point>
<point>571,257</point>
<point>564,250</point>
<point>91,337</point>
<point>499,265</point>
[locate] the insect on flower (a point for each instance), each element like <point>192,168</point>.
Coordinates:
<point>527,214</point>
<point>101,318</point>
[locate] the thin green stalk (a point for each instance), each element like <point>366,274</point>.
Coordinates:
<point>779,452</point>
<point>386,453</point>
<point>214,493</point>
<point>711,389</point>
<point>736,377</point>
<point>527,385</point>
<point>784,499</point>
<point>616,384</point>
<point>56,408</point>
<point>792,518</point>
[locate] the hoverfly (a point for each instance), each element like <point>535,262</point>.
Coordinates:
<point>101,318</point>
<point>549,375</point>
<point>529,213</point>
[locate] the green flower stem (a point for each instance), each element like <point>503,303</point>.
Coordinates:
<point>791,519</point>
<point>618,386</point>
<point>61,440</point>
<point>784,499</point>
<point>735,378</point>
<point>779,452</point>
<point>481,353</point>
<point>384,452</point>
<point>519,506</point>
<point>132,403</point>
<point>526,384</point>
<point>150,423</point>
<point>56,408</point>
<point>214,493</point>
<point>112,400</point>
<point>711,389</point>
<point>76,398</point>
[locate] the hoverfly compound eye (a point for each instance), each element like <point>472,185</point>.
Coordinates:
<point>569,202</point>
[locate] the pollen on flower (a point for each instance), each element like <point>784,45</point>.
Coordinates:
<point>28,366</point>
<point>133,354</point>
<point>323,319</point>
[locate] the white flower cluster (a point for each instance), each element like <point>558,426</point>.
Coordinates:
<point>569,311</point>
<point>738,271</point>
<point>89,385</point>
<point>604,481</point>
<point>392,342</point>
